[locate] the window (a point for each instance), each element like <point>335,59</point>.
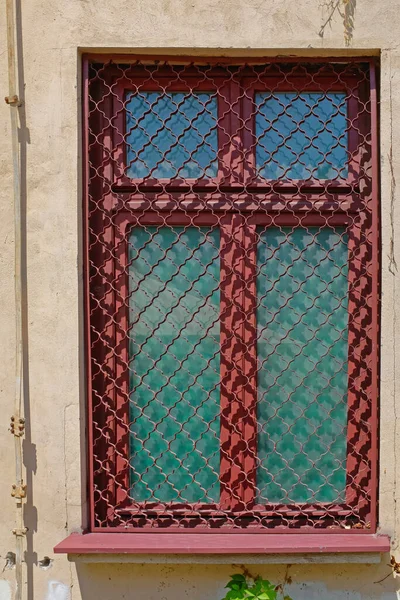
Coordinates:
<point>232,295</point>
<point>301,135</point>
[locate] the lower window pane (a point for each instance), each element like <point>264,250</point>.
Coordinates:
<point>174,364</point>
<point>302,323</point>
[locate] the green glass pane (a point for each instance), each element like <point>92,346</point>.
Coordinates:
<point>301,135</point>
<point>172,135</point>
<point>302,324</point>
<point>174,364</point>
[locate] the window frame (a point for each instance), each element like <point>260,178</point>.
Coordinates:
<point>124,193</point>
<point>236,152</point>
<point>321,85</point>
<point>163,84</point>
<point>238,272</point>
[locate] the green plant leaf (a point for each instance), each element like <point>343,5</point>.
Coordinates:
<point>235,595</point>
<point>267,586</point>
<point>261,589</point>
<point>237,583</point>
<point>238,577</point>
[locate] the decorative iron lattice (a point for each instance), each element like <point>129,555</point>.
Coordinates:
<point>232,294</point>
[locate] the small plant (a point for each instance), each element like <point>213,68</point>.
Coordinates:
<point>241,588</point>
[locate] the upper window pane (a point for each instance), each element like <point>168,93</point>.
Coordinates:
<point>174,364</point>
<point>171,135</point>
<point>301,135</point>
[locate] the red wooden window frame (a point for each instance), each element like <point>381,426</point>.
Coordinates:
<point>187,83</point>
<point>236,148</point>
<point>318,85</point>
<point>202,202</point>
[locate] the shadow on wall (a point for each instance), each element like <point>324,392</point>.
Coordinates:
<point>206,582</point>
<point>28,448</point>
<point>346,9</point>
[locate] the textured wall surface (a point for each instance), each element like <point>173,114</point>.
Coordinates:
<point>52,34</point>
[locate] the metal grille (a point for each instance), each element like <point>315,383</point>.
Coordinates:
<point>232,290</point>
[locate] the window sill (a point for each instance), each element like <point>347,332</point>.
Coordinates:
<point>217,548</point>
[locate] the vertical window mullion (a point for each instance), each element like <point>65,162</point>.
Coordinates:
<point>236,141</point>
<point>232,351</point>
<point>225,150</point>
<point>248,131</point>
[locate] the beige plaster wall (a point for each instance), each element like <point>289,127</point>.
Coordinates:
<point>52,34</point>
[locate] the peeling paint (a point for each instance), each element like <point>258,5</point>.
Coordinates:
<point>10,561</point>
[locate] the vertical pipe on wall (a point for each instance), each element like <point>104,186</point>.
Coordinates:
<point>17,422</point>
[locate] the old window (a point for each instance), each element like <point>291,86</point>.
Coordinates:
<point>232,295</point>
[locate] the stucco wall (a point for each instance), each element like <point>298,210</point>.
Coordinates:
<point>52,35</point>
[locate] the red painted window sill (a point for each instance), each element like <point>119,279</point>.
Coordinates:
<point>215,543</point>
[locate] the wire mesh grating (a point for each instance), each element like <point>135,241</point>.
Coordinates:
<point>232,294</point>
